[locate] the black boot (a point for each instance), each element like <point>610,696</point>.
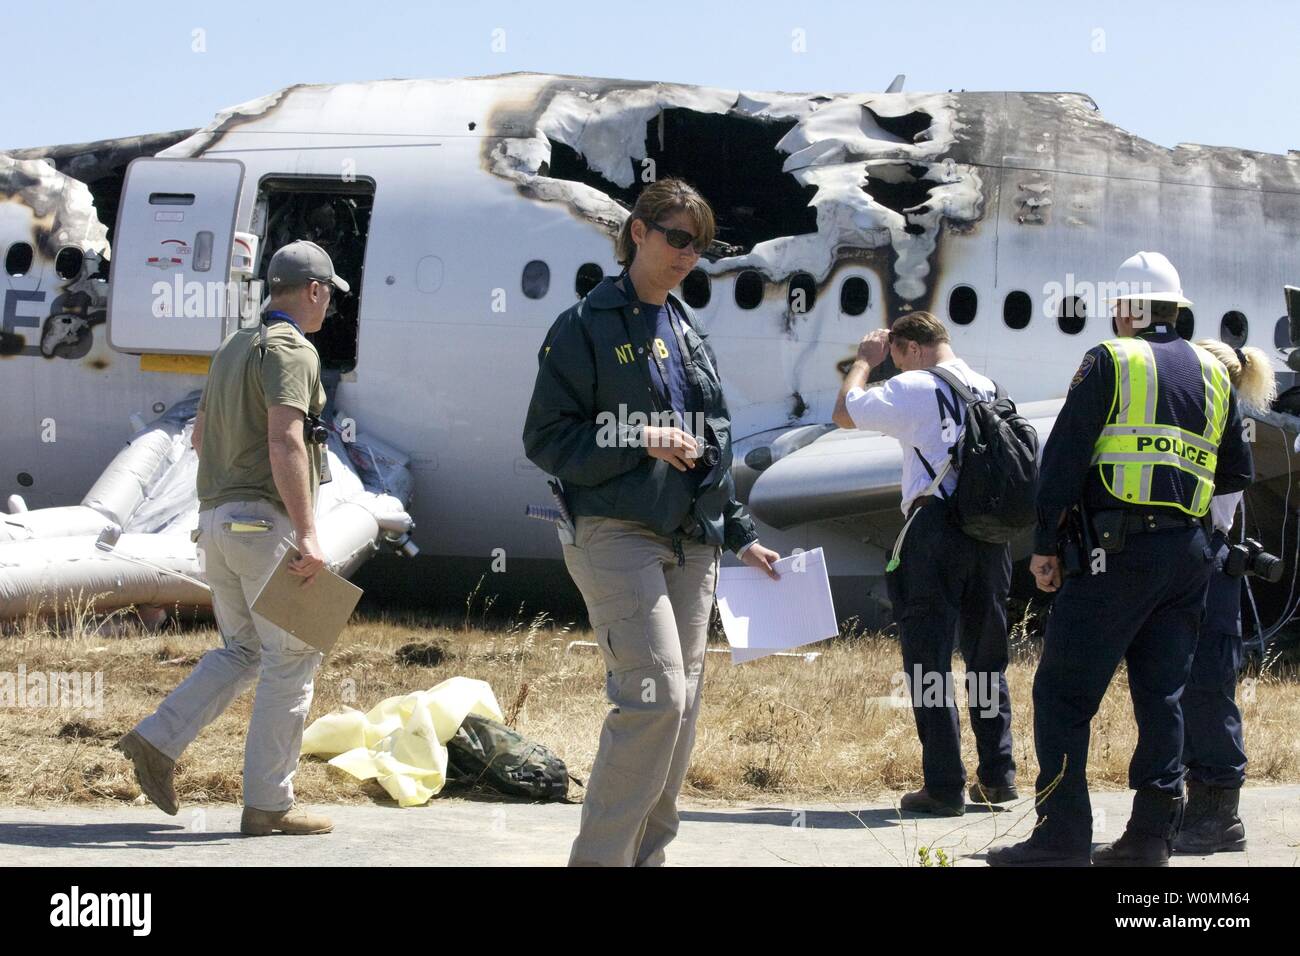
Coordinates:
<point>1148,838</point>
<point>1212,824</point>
<point>1036,851</point>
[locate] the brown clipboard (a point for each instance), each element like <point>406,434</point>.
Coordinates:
<point>315,614</point>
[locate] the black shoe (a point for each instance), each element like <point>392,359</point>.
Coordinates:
<point>920,801</point>
<point>1034,852</point>
<point>1148,838</point>
<point>1211,824</point>
<point>982,795</point>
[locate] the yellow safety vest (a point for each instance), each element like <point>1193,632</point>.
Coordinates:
<point>1133,442</point>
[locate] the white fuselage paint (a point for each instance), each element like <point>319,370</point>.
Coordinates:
<point>447,379</point>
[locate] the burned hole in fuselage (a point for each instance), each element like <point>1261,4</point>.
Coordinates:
<point>732,160</point>
<point>900,187</point>
<point>904,128</point>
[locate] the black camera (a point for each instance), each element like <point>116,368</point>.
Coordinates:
<point>314,431</point>
<point>1249,559</point>
<point>711,455</point>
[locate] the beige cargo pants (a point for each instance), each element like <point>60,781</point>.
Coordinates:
<point>651,619</point>
<point>253,649</point>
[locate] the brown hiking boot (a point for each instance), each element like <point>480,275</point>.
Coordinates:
<point>922,801</point>
<point>295,821</point>
<point>153,771</point>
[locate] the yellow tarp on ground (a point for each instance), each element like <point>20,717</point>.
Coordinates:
<point>401,741</point>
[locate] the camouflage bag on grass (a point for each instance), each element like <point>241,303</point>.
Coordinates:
<point>488,753</point>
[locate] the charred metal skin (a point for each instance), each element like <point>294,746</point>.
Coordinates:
<point>45,212</point>
<point>877,171</point>
<point>101,165</point>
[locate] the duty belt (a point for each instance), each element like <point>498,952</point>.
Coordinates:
<point>1155,520</point>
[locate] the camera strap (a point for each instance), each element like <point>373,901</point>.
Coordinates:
<point>270,318</point>
<point>309,421</point>
<point>662,397</point>
<point>656,399</point>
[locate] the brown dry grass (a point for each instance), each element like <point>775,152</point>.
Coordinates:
<point>780,726</point>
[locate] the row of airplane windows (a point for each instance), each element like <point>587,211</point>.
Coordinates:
<point>801,295</point>
<point>18,261</point>
<point>855,298</point>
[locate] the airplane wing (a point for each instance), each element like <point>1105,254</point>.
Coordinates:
<point>842,474</point>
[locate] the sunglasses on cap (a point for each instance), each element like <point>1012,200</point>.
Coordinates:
<point>679,238</point>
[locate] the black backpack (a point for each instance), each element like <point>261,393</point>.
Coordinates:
<point>484,752</point>
<point>997,466</point>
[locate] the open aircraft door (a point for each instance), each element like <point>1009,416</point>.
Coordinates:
<point>170,288</point>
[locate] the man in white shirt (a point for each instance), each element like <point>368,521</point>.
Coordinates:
<point>947,588</point>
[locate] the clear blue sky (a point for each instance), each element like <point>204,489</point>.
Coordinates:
<point>1225,74</point>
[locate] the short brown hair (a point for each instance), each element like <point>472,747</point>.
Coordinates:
<point>659,199</point>
<point>919,327</point>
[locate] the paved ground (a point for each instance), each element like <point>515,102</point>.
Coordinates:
<point>452,831</point>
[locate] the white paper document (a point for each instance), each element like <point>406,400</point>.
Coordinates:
<point>762,616</point>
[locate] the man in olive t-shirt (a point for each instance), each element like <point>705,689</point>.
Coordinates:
<point>272,364</point>
<point>257,482</point>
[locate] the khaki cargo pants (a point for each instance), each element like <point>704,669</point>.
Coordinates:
<point>235,564</point>
<point>651,619</point>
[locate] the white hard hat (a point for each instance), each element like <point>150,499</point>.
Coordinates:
<point>1151,276</point>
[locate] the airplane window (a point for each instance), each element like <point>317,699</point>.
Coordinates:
<point>68,262</point>
<point>855,295</point>
<point>749,289</point>
<point>802,293</point>
<point>963,302</point>
<point>1017,309</point>
<point>1185,325</point>
<point>1072,315</point>
<point>19,259</point>
<point>589,275</point>
<point>1234,329</point>
<point>537,279</point>
<point>696,289</point>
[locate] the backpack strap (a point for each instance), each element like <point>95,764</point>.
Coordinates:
<point>961,388</point>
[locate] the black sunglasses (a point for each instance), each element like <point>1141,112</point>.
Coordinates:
<point>679,238</point>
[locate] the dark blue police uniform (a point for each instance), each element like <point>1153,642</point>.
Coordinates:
<point>1145,608</point>
<point>1213,749</point>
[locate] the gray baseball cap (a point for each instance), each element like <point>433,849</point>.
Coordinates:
<point>299,262</point>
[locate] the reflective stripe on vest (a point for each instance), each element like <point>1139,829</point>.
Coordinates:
<point>1133,442</point>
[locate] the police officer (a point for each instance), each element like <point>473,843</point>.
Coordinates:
<point>1213,747</point>
<point>628,411</point>
<point>1148,433</point>
<point>258,476</point>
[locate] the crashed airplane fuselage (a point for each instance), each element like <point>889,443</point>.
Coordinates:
<point>469,213</point>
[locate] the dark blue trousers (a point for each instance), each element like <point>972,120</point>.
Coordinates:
<point>1213,749</point>
<point>1145,608</point>
<point>950,591</point>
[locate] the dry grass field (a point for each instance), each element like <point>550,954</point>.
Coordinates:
<point>774,729</point>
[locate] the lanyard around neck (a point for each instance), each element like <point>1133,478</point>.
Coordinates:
<point>275,315</point>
